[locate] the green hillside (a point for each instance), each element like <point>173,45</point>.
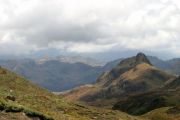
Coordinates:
<point>33,101</point>
<point>22,100</point>
<point>164,113</point>
<point>143,103</point>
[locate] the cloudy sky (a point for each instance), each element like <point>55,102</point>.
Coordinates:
<point>105,27</point>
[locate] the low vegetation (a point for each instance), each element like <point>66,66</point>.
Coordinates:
<point>22,100</point>
<point>162,114</point>
<point>14,108</point>
<point>35,101</point>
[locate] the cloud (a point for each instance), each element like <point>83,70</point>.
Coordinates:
<point>90,26</point>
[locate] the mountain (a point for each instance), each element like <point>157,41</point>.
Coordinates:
<point>173,84</point>
<point>168,95</point>
<point>171,66</point>
<point>159,63</point>
<point>164,113</point>
<point>22,100</point>
<point>72,59</point>
<point>133,75</point>
<point>136,87</point>
<point>108,66</point>
<point>53,74</point>
<point>124,66</point>
<point>175,66</point>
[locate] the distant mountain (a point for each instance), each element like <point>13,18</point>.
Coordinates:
<point>22,100</point>
<point>167,94</point>
<point>72,59</point>
<point>172,84</point>
<point>136,87</point>
<point>140,88</point>
<point>159,63</point>
<point>65,72</point>
<point>53,74</point>
<point>131,76</point>
<point>108,66</point>
<point>171,66</point>
<point>174,66</point>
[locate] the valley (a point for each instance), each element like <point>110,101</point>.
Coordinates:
<point>89,60</point>
<point>132,90</point>
<point>55,73</point>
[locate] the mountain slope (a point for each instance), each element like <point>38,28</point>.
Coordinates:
<point>108,66</point>
<point>51,73</point>
<point>143,103</point>
<point>54,75</point>
<point>72,59</point>
<point>173,84</point>
<point>18,96</point>
<point>122,67</point>
<point>141,78</point>
<point>167,95</point>
<point>159,63</point>
<point>171,66</point>
<point>175,66</point>
<point>131,76</point>
<point>165,113</point>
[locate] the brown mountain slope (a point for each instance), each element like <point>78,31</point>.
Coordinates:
<point>122,67</point>
<point>173,84</point>
<point>132,76</point>
<point>77,92</point>
<point>141,78</point>
<point>166,96</point>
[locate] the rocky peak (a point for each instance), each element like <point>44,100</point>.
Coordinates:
<point>124,66</point>
<point>141,58</point>
<point>133,61</point>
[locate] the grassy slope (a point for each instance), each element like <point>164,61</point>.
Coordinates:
<point>37,99</point>
<point>141,78</point>
<point>33,100</point>
<point>15,116</point>
<point>9,109</point>
<point>165,113</point>
<point>143,103</point>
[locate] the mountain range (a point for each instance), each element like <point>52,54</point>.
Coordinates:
<point>72,59</point>
<point>131,75</point>
<point>22,100</point>
<point>55,73</point>
<point>134,86</point>
<point>134,89</point>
